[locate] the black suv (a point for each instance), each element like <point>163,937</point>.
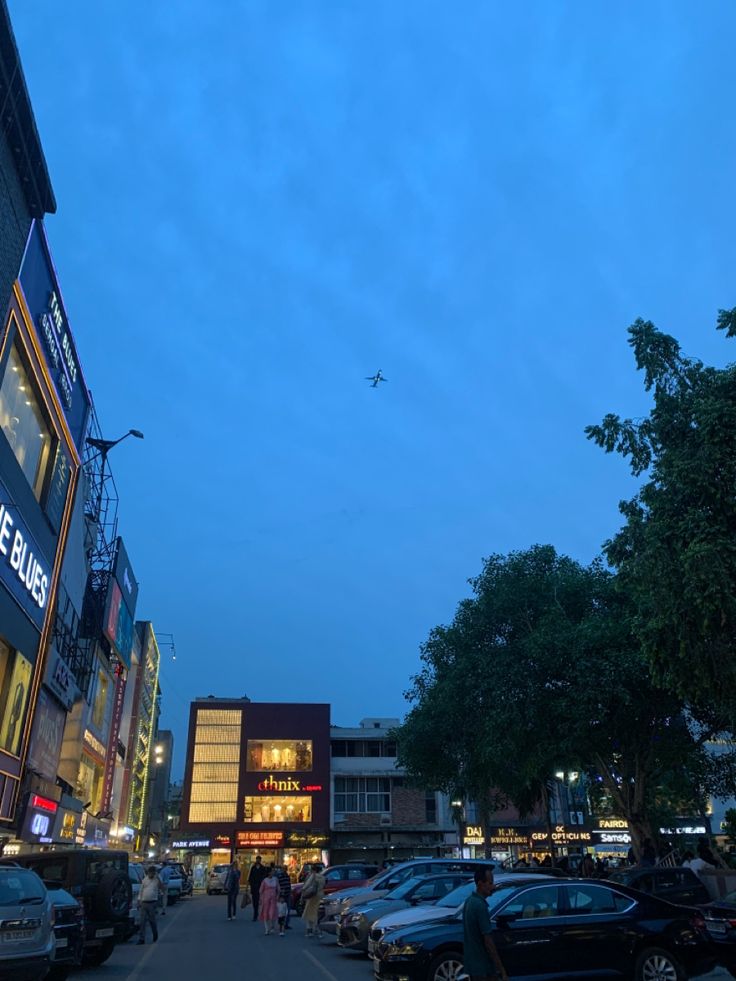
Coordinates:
<point>675,884</point>
<point>98,879</point>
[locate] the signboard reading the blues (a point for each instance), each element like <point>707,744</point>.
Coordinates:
<point>24,572</point>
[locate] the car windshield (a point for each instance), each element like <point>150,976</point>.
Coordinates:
<point>730,897</point>
<point>21,887</point>
<point>406,887</point>
<point>458,895</point>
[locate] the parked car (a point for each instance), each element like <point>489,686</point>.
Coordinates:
<point>68,932</point>
<point>354,926</point>
<point>26,925</point>
<point>135,873</point>
<point>345,899</point>
<point>388,880</point>
<point>720,922</point>
<point>187,882</point>
<point>558,928</point>
<point>676,885</point>
<point>98,878</point>
<point>309,867</point>
<point>175,886</point>
<point>444,909</point>
<point>216,878</point>
<point>337,877</point>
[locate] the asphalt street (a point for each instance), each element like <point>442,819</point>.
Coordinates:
<point>197,943</point>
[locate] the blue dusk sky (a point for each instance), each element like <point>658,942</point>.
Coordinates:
<point>260,203</point>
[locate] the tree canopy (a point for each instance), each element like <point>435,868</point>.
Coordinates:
<point>676,553</point>
<point>540,671</point>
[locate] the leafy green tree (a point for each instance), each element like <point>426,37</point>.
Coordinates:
<point>676,553</point>
<point>540,671</point>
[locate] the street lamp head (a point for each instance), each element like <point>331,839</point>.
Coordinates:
<point>135,432</point>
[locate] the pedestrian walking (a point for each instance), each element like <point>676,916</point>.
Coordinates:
<point>256,876</point>
<point>232,888</point>
<point>587,867</point>
<point>313,893</point>
<point>480,957</point>
<point>284,893</point>
<point>148,903</point>
<point>269,901</point>
<point>164,875</point>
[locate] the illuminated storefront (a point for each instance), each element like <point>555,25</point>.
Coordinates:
<point>257,780</point>
<point>44,408</point>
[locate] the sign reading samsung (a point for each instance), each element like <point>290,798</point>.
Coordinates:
<point>24,572</point>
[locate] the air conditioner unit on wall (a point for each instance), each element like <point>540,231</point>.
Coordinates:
<point>385,819</point>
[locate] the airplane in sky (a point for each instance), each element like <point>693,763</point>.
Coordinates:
<point>378,377</point>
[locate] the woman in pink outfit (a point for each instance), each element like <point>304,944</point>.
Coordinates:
<point>269,895</point>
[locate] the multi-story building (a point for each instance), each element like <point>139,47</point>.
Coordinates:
<point>276,780</point>
<point>375,812</point>
<point>160,780</point>
<point>142,713</point>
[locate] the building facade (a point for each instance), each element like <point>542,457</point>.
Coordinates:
<point>277,780</point>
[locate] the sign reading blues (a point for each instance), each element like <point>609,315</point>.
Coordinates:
<point>24,570</point>
<point>43,298</point>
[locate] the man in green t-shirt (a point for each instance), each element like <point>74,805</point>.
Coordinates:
<point>480,957</point>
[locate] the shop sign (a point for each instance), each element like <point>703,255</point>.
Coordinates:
<point>312,787</point>
<point>43,299</point>
<point>611,838</point>
<point>25,573</point>
<point>94,743</point>
<point>111,757</point>
<point>282,786</point>
<point>96,832</point>
<point>613,824</point>
<point>505,837</point>
<point>307,839</point>
<point>562,835</point>
<point>122,595</point>
<point>260,839</point>
<point>194,843</point>
<point>67,825</point>
<point>61,681</point>
<point>686,829</point>
<point>474,835</point>
<point>39,819</point>
<point>222,841</point>
<point>47,736</point>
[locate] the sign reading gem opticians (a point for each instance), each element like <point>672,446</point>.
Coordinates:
<point>24,571</point>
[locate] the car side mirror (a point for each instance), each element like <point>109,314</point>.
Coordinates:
<point>504,920</point>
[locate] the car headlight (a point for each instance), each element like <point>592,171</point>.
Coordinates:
<point>354,917</point>
<point>394,951</point>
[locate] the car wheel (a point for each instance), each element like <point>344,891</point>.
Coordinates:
<point>113,896</point>
<point>446,967</point>
<point>100,954</point>
<point>656,964</point>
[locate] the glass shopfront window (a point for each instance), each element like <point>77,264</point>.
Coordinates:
<point>24,423</point>
<point>98,710</point>
<point>89,783</point>
<point>280,754</point>
<point>15,683</point>
<point>273,810</point>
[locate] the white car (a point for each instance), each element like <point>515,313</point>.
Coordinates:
<point>216,878</point>
<point>450,905</point>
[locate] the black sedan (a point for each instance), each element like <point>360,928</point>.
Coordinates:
<point>568,927</point>
<point>720,922</point>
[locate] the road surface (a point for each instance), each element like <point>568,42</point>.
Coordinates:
<point>197,943</point>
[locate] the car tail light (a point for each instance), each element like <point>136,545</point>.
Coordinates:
<point>731,923</point>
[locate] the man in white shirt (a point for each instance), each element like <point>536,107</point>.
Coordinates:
<point>147,903</point>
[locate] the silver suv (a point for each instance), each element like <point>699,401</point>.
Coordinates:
<point>26,925</point>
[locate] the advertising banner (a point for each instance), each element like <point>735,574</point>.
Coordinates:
<point>24,570</point>
<point>260,839</point>
<point>112,743</point>
<point>122,595</point>
<point>43,297</point>
<point>47,736</point>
